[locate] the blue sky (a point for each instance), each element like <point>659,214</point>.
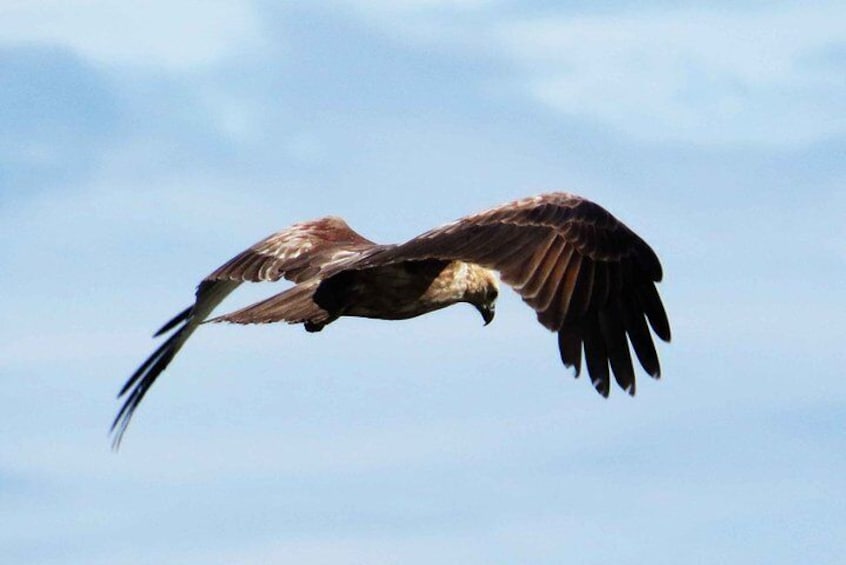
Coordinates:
<point>140,147</point>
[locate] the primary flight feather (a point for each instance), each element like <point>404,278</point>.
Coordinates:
<point>588,277</point>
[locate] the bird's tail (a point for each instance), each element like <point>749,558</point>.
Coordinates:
<point>209,295</point>
<point>295,306</point>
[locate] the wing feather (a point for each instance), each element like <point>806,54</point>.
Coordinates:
<point>296,253</point>
<point>601,287</point>
<point>552,307</point>
<point>570,347</point>
<point>559,286</point>
<point>517,264</point>
<point>614,333</point>
<point>507,247</point>
<point>557,254</point>
<point>654,310</point>
<point>586,274</point>
<point>638,333</point>
<point>596,357</point>
<point>209,295</point>
<point>582,292</point>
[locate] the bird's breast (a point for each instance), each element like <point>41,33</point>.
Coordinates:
<point>403,290</point>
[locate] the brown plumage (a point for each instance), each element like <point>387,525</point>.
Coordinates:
<point>587,276</point>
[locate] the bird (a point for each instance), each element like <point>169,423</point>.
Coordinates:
<point>589,278</point>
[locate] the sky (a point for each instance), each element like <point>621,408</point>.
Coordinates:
<point>144,144</point>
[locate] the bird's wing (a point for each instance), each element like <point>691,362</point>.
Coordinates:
<point>297,253</point>
<point>587,276</point>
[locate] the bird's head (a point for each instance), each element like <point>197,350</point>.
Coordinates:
<point>487,311</point>
<point>483,291</point>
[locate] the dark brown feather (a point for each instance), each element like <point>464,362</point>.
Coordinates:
<point>173,322</point>
<point>294,306</point>
<point>505,243</point>
<point>654,310</point>
<point>582,292</point>
<point>601,287</point>
<point>553,303</point>
<point>596,356</point>
<point>517,264</point>
<point>209,295</point>
<point>639,336</point>
<point>570,347</point>
<point>558,253</point>
<point>529,243</point>
<point>613,331</point>
<point>296,253</point>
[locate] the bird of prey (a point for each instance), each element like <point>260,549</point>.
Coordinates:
<point>589,278</point>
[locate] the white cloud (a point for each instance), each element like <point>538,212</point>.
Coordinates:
<point>689,75</point>
<point>330,549</point>
<point>406,6</point>
<point>718,76</point>
<point>438,25</point>
<point>175,34</point>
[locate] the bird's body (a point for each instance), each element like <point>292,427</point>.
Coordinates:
<point>400,291</point>
<point>396,291</point>
<point>588,277</point>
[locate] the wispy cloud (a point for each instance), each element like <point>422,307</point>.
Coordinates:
<point>712,77</point>
<point>702,75</point>
<point>156,33</point>
<point>406,6</point>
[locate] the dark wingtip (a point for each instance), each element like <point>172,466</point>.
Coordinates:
<point>141,381</point>
<point>654,310</point>
<point>648,259</point>
<point>156,357</point>
<point>117,436</point>
<point>603,387</point>
<point>570,350</point>
<point>182,316</point>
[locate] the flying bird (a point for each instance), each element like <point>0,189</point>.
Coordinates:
<point>589,278</point>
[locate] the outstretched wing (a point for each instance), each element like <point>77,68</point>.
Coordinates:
<point>297,253</point>
<point>588,277</point>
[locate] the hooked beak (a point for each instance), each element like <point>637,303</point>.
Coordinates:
<point>487,311</point>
